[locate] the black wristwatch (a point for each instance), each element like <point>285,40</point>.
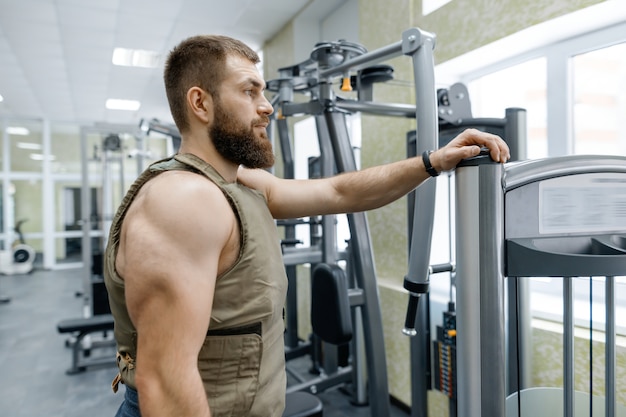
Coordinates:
<point>429,167</point>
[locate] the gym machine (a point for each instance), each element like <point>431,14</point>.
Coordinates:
<point>434,359</point>
<point>19,258</point>
<point>559,217</point>
<point>112,156</point>
<point>103,163</point>
<point>315,77</point>
<point>104,157</point>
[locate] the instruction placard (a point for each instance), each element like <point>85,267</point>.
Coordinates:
<point>583,203</point>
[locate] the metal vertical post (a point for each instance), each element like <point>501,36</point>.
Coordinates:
<point>480,290</point>
<point>291,333</point>
<point>5,244</point>
<point>49,251</point>
<point>86,221</point>
<point>365,273</point>
<point>568,347</point>
<point>519,341</point>
<point>515,133</point>
<point>609,386</point>
<point>329,230</point>
<point>419,45</point>
<point>359,365</point>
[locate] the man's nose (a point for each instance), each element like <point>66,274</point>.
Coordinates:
<point>265,107</point>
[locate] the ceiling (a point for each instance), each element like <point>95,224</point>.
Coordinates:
<point>56,55</point>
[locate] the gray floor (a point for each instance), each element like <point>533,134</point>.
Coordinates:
<point>34,356</point>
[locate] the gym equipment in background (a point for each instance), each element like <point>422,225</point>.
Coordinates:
<point>19,258</point>
<point>357,71</point>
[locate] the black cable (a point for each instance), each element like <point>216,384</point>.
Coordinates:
<point>517,349</point>
<point>590,346</point>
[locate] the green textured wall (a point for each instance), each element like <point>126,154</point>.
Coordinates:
<point>384,138</point>
<point>464,25</point>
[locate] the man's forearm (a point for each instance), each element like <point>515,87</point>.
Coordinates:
<point>375,187</point>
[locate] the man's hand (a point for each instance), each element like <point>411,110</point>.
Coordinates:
<point>467,144</point>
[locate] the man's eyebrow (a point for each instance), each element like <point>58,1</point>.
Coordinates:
<point>256,83</point>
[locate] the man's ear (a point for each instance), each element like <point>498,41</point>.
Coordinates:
<point>200,104</point>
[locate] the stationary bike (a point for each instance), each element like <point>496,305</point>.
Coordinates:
<point>20,257</point>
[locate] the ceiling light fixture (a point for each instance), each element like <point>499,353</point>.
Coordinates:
<point>119,104</point>
<point>135,58</point>
<point>1,98</point>
<point>29,145</point>
<point>17,130</point>
<point>40,157</point>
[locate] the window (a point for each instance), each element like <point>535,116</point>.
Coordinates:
<point>599,90</point>
<point>522,85</point>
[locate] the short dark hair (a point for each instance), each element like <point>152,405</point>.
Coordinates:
<point>199,61</point>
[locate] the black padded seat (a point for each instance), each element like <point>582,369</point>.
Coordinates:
<point>330,304</point>
<point>302,404</point>
<point>82,327</point>
<point>86,324</point>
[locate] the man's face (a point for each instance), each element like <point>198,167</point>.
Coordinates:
<point>241,116</point>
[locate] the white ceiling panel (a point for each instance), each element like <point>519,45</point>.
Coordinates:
<point>55,55</point>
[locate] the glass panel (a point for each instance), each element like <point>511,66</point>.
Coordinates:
<point>546,296</point>
<point>157,147</point>
<point>600,101</point>
<point>522,85</point>
<point>68,206</point>
<point>69,221</point>
<point>65,146</point>
<point>2,138</point>
<point>69,249</point>
<point>589,337</point>
<point>620,348</point>
<point>25,145</point>
<point>1,211</point>
<point>28,215</point>
<point>131,154</point>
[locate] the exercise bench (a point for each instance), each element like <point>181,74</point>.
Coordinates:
<point>80,328</point>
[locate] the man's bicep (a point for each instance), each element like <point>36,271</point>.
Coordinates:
<point>166,285</point>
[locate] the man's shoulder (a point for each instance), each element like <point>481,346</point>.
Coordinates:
<point>183,192</point>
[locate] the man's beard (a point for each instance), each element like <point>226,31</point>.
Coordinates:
<point>238,143</point>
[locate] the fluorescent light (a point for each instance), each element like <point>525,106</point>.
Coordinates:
<point>40,157</point>
<point>29,145</point>
<point>135,58</point>
<point>119,104</point>
<point>17,130</point>
<point>1,98</point>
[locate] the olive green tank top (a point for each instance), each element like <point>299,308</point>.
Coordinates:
<point>242,361</point>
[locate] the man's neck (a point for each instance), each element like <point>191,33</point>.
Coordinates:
<point>207,152</point>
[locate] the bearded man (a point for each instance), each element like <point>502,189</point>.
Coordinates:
<point>193,266</point>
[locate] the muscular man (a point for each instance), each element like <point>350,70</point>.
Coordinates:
<point>193,267</point>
